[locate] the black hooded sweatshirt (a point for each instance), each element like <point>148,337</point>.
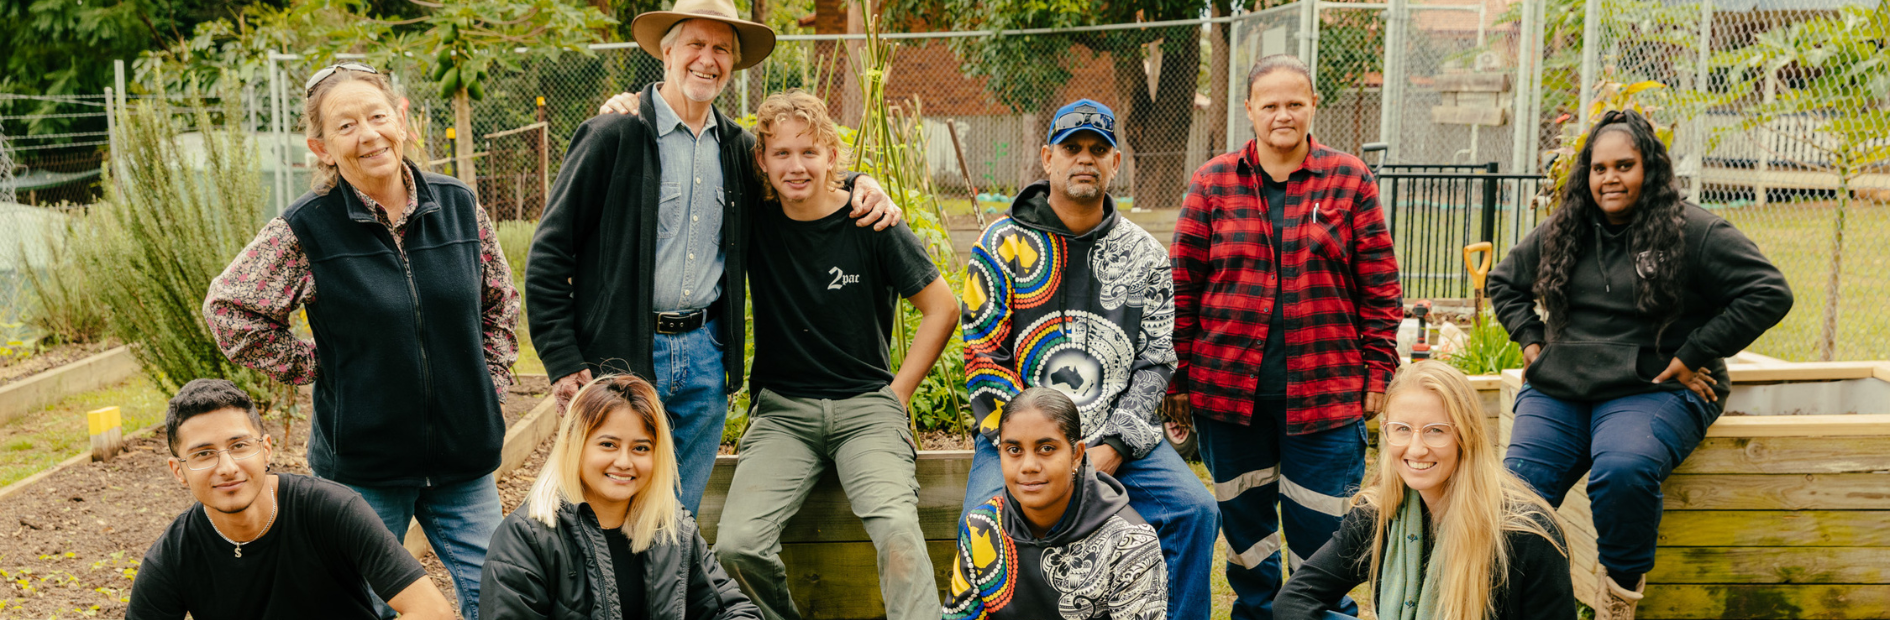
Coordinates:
<point>1610,349</point>
<point>1101,560</point>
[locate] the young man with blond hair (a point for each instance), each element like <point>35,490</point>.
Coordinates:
<point>825,395</point>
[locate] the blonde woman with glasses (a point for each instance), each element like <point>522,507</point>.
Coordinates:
<point>602,533</point>
<point>1442,530</point>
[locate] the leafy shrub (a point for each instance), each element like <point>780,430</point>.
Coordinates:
<point>66,308</point>
<point>1487,349</point>
<point>167,226</point>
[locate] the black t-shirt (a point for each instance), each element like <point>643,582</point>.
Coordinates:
<point>325,549</point>
<point>629,567</point>
<point>824,294</point>
<point>1273,359</point>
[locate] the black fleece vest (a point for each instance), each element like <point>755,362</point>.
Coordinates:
<point>404,397</point>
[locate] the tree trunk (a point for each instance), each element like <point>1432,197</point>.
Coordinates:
<point>464,142</point>
<point>1157,127</point>
<point>1220,92</point>
<point>1827,346</point>
<point>1029,151</point>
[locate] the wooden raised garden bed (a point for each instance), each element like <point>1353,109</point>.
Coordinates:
<point>1782,512</point>
<point>832,567</point>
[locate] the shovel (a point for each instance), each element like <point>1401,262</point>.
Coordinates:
<point>1479,271</point>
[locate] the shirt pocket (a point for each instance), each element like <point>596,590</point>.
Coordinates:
<point>1326,233</point>
<point>669,211</point>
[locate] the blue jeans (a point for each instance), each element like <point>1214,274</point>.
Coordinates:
<point>1627,446</point>
<point>458,519</point>
<point>1256,467</point>
<point>694,388</point>
<point>1166,493</point>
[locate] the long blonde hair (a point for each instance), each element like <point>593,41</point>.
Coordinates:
<point>1485,500</point>
<point>655,512</point>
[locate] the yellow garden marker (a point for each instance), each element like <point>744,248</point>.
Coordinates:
<point>108,435</point>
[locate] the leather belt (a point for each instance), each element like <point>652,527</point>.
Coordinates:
<point>681,322</point>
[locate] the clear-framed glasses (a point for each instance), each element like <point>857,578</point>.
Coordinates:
<point>1436,435</point>
<point>1085,116</point>
<point>205,458</point>
<point>309,88</point>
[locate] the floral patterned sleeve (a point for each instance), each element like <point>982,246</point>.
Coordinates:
<point>249,305</point>
<point>498,306</point>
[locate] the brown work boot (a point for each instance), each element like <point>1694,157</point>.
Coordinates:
<point>1612,602</point>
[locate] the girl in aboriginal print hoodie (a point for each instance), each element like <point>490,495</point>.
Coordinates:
<point>1060,542</point>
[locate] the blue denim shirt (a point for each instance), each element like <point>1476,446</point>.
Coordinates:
<point>689,232</point>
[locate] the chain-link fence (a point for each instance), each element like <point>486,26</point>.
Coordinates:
<point>1780,126</point>
<point>1456,82</point>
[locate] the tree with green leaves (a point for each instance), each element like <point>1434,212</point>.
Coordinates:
<point>1026,72</point>
<point>1843,85</point>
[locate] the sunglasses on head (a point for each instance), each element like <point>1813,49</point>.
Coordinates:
<point>1085,116</point>
<point>315,80</point>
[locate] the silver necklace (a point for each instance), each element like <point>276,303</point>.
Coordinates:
<point>273,505</point>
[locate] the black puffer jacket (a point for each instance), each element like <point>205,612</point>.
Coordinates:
<point>537,571</point>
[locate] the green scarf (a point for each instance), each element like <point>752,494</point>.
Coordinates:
<point>1406,591</point>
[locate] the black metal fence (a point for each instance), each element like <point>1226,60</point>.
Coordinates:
<point>1434,211</point>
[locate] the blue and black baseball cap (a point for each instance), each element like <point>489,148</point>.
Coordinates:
<point>1083,115</point>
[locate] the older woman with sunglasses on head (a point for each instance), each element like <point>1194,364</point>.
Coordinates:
<point>1442,530</point>
<point>412,307</point>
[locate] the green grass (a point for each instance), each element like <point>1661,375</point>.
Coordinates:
<point>41,439</point>
<point>1797,238</point>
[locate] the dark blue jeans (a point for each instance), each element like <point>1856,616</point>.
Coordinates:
<point>694,388</point>
<point>1257,467</point>
<point>1167,494</point>
<point>1627,446</point>
<point>458,520</point>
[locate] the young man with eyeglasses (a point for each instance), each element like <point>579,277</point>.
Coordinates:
<point>262,545</point>
<point>1067,294</point>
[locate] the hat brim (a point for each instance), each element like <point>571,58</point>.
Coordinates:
<point>1060,136</point>
<point>757,40</point>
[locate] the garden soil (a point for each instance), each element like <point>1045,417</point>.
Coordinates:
<point>16,368</point>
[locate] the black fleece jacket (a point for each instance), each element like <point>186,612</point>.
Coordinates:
<point>1610,349</point>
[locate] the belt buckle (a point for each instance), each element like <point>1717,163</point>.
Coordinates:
<point>668,322</point>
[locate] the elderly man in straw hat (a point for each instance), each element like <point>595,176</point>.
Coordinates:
<point>638,264</point>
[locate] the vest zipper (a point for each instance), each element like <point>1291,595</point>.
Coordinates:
<point>420,332</point>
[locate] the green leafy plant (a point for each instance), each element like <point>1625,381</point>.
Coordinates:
<point>1487,349</point>
<point>66,307</point>
<point>127,248</point>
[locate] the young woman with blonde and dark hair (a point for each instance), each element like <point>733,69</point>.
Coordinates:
<point>602,533</point>
<point>1442,530</point>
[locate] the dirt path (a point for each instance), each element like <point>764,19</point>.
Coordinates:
<point>70,544</point>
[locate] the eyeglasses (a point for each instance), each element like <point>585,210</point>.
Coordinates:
<point>1436,435</point>
<point>206,458</point>
<point>1085,116</point>
<point>309,88</point>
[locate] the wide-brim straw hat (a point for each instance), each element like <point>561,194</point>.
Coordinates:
<point>757,40</point>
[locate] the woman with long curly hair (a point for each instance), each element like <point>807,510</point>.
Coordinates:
<point>1621,385</point>
<point>1441,530</point>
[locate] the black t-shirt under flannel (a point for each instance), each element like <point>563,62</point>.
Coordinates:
<point>325,549</point>
<point>824,294</point>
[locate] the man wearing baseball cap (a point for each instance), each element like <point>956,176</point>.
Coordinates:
<point>1066,293</point>
<point>638,264</point>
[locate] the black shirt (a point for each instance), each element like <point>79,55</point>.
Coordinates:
<point>1272,376</point>
<point>629,569</point>
<point>824,294</point>
<point>1537,587</point>
<point>325,549</point>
